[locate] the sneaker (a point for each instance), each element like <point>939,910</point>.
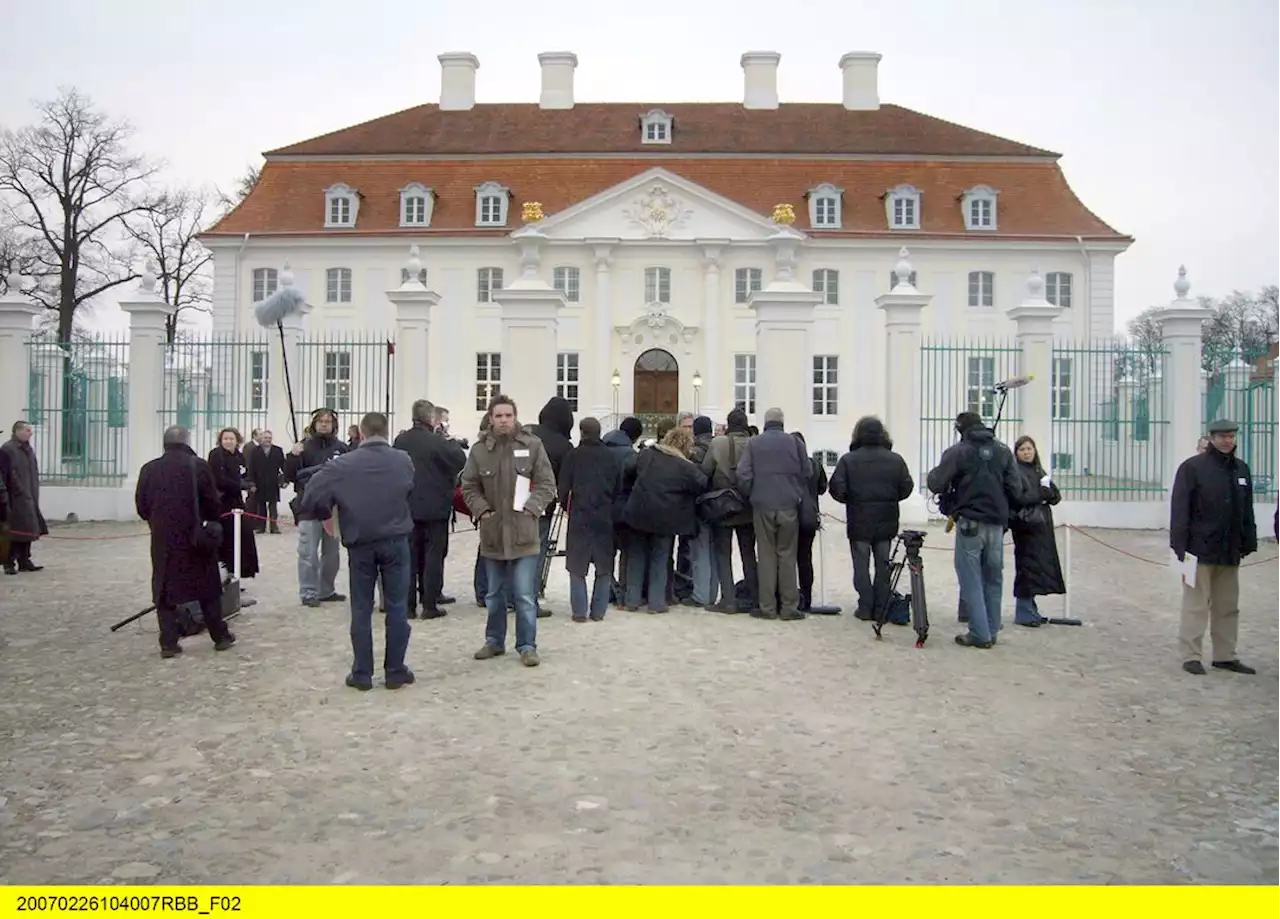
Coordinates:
<point>489,651</point>
<point>362,683</point>
<point>396,680</point>
<point>529,658</point>
<point>333,598</point>
<point>967,641</point>
<point>1234,667</point>
<point>311,602</point>
<point>1193,667</point>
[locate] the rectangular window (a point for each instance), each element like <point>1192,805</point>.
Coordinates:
<point>1060,388</point>
<point>746,281</point>
<point>744,382</point>
<point>824,212</point>
<point>337,285</point>
<point>491,211</point>
<point>415,210</point>
<point>655,132</point>
<point>657,285</point>
<point>339,211</point>
<point>264,283</point>
<point>979,213</point>
<point>904,212</point>
<point>259,383</point>
<point>337,380</point>
<point>826,281</point>
<point>568,281</point>
<point>567,378</point>
<point>982,289</point>
<point>825,385</point>
<point>1057,288</point>
<point>980,386</point>
<point>488,378</point>
<point>487,281</point>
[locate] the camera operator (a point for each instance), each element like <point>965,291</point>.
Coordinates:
<point>977,482</point>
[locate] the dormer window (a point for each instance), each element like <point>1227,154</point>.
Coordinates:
<point>491,204</point>
<point>655,127</point>
<point>824,207</point>
<point>902,207</point>
<point>341,206</point>
<point>979,205</point>
<point>416,204</point>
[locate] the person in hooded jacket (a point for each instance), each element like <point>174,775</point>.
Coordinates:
<point>979,483</point>
<point>318,550</point>
<point>871,481</point>
<point>623,444</point>
<point>664,489</point>
<point>1037,570</point>
<point>590,478</point>
<point>721,468</point>
<point>554,427</point>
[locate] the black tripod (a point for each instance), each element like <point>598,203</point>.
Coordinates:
<point>910,542</point>
<point>553,545</point>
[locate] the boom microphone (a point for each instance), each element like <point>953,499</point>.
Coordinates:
<point>286,300</point>
<point>1013,383</point>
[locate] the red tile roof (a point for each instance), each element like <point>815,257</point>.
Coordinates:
<point>1035,200</point>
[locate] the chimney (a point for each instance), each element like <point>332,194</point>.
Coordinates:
<point>458,81</point>
<point>557,79</point>
<point>861,90</point>
<point>760,72</point>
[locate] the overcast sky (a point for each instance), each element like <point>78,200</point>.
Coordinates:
<point>1166,111</point>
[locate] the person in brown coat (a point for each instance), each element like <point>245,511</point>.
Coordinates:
<point>21,475</point>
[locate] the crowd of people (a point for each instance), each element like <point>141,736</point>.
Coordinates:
<point>650,522</point>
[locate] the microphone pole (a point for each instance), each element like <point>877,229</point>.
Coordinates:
<point>288,385</point>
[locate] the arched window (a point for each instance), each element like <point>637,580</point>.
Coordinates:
<point>656,360</point>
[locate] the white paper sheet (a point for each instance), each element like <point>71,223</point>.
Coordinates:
<point>1186,568</point>
<point>523,484</point>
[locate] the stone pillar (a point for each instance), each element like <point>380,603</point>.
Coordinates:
<point>1180,324</point>
<point>784,323</point>
<point>530,312</point>
<point>413,303</point>
<point>98,366</point>
<point>1034,318</point>
<point>601,361</point>
<point>1235,397</point>
<point>715,363</point>
<point>902,307</point>
<point>278,419</point>
<point>147,315</point>
<point>17,316</point>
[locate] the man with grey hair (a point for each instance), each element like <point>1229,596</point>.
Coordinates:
<point>178,497</point>
<point>437,461</point>
<point>773,475</point>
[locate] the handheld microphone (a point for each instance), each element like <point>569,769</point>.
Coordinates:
<point>1013,383</point>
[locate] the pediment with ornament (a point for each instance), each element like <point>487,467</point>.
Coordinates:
<point>656,327</point>
<point>657,205</point>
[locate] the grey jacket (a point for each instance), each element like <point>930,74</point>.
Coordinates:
<point>773,473</point>
<point>370,486</point>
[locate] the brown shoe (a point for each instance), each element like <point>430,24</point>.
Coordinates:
<point>489,651</point>
<point>529,658</point>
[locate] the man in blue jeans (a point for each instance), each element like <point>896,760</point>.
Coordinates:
<point>507,485</point>
<point>979,483</point>
<point>370,487</point>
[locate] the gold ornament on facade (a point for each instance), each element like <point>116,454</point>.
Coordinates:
<point>531,211</point>
<point>784,214</point>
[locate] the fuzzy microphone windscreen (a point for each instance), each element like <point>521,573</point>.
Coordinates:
<point>284,301</point>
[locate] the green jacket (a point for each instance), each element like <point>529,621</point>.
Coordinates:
<point>489,485</point>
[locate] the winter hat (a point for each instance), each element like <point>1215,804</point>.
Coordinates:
<point>702,425</point>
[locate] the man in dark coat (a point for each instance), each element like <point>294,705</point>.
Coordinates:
<point>21,474</point>
<point>720,464</point>
<point>871,481</point>
<point>437,461</point>
<point>555,424</point>
<point>318,558</point>
<point>590,478</point>
<point>622,442</point>
<point>702,561</point>
<point>266,467</point>
<point>176,494</point>
<point>1211,518</point>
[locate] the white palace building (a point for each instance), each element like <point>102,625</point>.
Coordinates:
<point>654,257</point>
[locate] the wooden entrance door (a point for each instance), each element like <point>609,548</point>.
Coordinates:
<point>657,384</point>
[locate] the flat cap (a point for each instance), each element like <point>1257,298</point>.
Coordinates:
<point>1223,426</point>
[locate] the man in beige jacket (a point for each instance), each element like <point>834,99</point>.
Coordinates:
<point>507,484</point>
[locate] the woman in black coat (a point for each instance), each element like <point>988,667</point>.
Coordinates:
<point>804,551</point>
<point>1035,548</point>
<point>227,463</point>
<point>661,507</point>
<point>589,480</point>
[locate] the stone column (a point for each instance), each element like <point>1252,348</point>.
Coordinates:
<point>278,419</point>
<point>147,315</point>
<point>784,324</point>
<point>17,315</point>
<point>715,363</point>
<point>1180,324</point>
<point>530,312</point>
<point>902,308</point>
<point>413,303</point>
<point>98,366</point>
<point>1235,396</point>
<point>1034,319</point>
<point>601,362</point>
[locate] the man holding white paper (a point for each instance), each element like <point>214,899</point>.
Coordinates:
<point>1211,525</point>
<point>507,484</point>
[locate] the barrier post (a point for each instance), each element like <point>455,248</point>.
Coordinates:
<point>237,520</point>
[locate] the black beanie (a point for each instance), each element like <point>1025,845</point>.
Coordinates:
<point>632,427</point>
<point>701,425</point>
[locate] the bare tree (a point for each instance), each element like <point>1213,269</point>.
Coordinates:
<point>243,185</point>
<point>68,183</point>
<point>166,235</point>
<point>1239,323</point>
